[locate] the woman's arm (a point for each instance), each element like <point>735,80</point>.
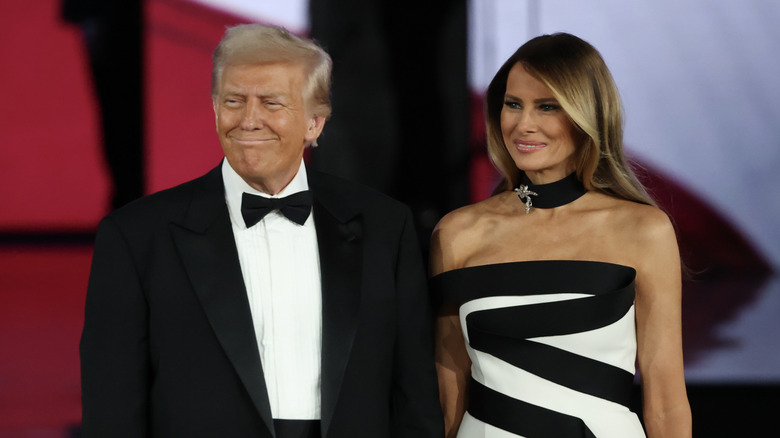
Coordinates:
<point>453,365</point>
<point>453,368</point>
<point>667,412</point>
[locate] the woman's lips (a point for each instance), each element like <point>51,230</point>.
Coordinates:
<point>529,146</point>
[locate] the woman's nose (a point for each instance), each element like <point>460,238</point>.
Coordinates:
<point>526,121</point>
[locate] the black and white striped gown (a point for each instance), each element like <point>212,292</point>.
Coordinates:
<point>552,346</point>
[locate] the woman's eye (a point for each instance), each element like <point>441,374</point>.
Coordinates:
<point>548,107</point>
<point>512,104</point>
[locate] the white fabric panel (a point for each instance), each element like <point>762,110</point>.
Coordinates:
<point>608,344</point>
<point>605,418</point>
<point>614,344</point>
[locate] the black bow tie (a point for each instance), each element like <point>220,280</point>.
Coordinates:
<point>295,207</point>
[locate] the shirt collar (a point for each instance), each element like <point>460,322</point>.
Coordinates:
<point>235,186</point>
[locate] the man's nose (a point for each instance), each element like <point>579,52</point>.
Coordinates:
<point>253,116</point>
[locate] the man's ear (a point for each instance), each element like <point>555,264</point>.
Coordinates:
<point>314,128</point>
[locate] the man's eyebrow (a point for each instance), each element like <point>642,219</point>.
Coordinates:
<point>232,91</point>
<point>272,95</point>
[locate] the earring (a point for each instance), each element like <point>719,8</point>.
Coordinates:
<point>314,143</point>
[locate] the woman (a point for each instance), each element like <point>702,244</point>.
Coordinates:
<point>554,288</point>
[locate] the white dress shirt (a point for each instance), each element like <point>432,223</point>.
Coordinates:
<point>281,268</point>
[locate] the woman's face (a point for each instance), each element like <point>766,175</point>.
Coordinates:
<point>537,132</point>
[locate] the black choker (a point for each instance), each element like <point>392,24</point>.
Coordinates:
<point>550,195</point>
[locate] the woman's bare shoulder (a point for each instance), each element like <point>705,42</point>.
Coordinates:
<point>459,233</point>
<point>641,232</point>
<point>474,216</point>
<point>644,222</point>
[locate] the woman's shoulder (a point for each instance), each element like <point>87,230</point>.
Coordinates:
<point>462,231</point>
<point>643,220</point>
<point>635,225</point>
<point>474,217</point>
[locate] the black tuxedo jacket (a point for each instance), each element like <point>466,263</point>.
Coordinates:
<point>168,347</point>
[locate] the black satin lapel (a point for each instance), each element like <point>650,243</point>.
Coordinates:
<point>211,260</point>
<point>340,247</point>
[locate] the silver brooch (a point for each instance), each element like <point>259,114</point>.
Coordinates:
<point>523,192</point>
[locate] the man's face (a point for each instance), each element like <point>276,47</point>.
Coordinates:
<point>264,123</point>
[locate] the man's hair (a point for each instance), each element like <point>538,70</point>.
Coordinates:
<point>257,43</point>
<point>579,79</point>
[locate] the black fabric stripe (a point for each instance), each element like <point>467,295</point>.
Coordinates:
<point>503,333</point>
<point>573,371</point>
<point>554,318</point>
<point>522,418</point>
<point>529,278</point>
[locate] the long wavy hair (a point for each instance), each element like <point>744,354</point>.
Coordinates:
<point>579,79</point>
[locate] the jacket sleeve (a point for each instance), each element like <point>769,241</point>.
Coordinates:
<point>416,409</point>
<point>115,365</point>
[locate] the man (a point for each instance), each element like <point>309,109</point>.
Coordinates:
<point>213,311</point>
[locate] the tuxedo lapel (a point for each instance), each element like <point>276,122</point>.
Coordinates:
<point>206,245</point>
<point>339,237</point>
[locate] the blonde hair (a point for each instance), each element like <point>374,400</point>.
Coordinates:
<point>257,43</point>
<point>579,79</point>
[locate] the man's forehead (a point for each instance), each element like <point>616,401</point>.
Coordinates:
<point>277,73</point>
<point>265,67</point>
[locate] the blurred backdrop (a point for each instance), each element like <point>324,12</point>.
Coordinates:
<point>105,100</point>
